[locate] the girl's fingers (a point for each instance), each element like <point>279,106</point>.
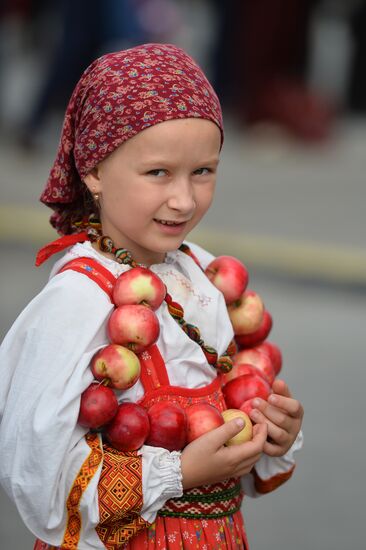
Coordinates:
<point>272,449</point>
<point>249,449</point>
<point>288,404</point>
<point>272,415</point>
<point>282,398</point>
<point>281,388</point>
<point>285,405</point>
<point>277,431</point>
<point>219,436</point>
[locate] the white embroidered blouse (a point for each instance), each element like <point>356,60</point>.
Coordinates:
<point>44,367</point>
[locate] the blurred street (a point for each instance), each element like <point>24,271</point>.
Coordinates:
<point>270,194</point>
<point>294,212</point>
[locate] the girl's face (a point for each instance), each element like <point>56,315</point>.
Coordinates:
<point>156,187</point>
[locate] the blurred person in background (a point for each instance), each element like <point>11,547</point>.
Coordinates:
<point>357,88</point>
<point>269,41</point>
<point>104,26</point>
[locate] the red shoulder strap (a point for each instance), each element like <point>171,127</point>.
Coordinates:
<point>95,271</point>
<point>153,369</point>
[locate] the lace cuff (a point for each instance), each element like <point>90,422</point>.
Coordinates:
<point>161,479</point>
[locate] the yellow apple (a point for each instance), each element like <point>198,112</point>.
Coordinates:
<point>246,433</point>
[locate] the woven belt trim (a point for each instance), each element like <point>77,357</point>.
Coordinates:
<point>207,502</point>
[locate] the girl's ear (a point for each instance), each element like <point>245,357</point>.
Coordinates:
<point>92,181</point>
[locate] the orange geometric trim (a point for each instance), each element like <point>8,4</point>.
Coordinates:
<point>120,497</point>
<point>264,486</point>
<point>82,480</point>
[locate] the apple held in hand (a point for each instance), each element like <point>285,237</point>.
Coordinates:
<point>202,418</point>
<point>246,313</point>
<point>119,365</point>
<point>98,405</point>
<point>259,359</point>
<point>256,337</point>
<point>168,426</point>
<point>129,428</point>
<point>274,353</point>
<point>246,433</point>
<point>133,326</point>
<point>228,275</point>
<point>243,388</point>
<point>139,286</point>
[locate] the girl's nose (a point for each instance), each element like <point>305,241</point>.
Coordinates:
<point>182,196</point>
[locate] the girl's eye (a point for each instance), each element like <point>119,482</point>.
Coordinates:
<point>159,172</point>
<point>202,171</point>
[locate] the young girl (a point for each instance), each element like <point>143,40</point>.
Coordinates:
<point>139,151</point>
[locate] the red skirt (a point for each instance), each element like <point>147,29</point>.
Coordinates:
<point>226,533</point>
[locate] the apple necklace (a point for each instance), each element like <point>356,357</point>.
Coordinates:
<point>105,244</point>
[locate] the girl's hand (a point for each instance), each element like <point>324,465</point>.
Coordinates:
<point>206,460</point>
<point>283,416</point>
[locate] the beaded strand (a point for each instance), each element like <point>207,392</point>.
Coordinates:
<point>222,363</point>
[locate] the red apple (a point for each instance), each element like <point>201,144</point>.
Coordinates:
<point>229,275</point>
<point>129,428</point>
<point>133,326</point>
<point>139,286</point>
<point>274,353</point>
<point>238,370</point>
<point>259,359</point>
<point>246,433</point>
<point>246,313</point>
<point>168,426</point>
<point>247,406</point>
<point>118,364</point>
<point>256,337</point>
<point>98,405</point>
<point>243,388</point>
<point>202,418</point>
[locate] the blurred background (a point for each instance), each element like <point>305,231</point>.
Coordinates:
<point>290,203</point>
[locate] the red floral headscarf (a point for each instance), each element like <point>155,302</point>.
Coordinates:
<point>119,95</point>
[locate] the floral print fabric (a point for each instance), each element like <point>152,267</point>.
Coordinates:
<point>225,533</point>
<point>119,95</point>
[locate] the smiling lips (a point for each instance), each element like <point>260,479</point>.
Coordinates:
<point>171,223</point>
<point>168,227</point>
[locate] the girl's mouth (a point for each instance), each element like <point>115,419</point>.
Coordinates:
<point>170,227</point>
<point>167,222</point>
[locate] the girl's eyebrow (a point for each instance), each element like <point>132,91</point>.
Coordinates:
<point>161,160</point>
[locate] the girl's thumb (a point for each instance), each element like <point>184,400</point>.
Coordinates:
<point>221,435</point>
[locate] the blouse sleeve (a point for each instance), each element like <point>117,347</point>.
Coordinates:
<point>44,364</point>
<point>271,472</point>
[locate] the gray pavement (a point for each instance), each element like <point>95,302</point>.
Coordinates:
<point>296,216</point>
